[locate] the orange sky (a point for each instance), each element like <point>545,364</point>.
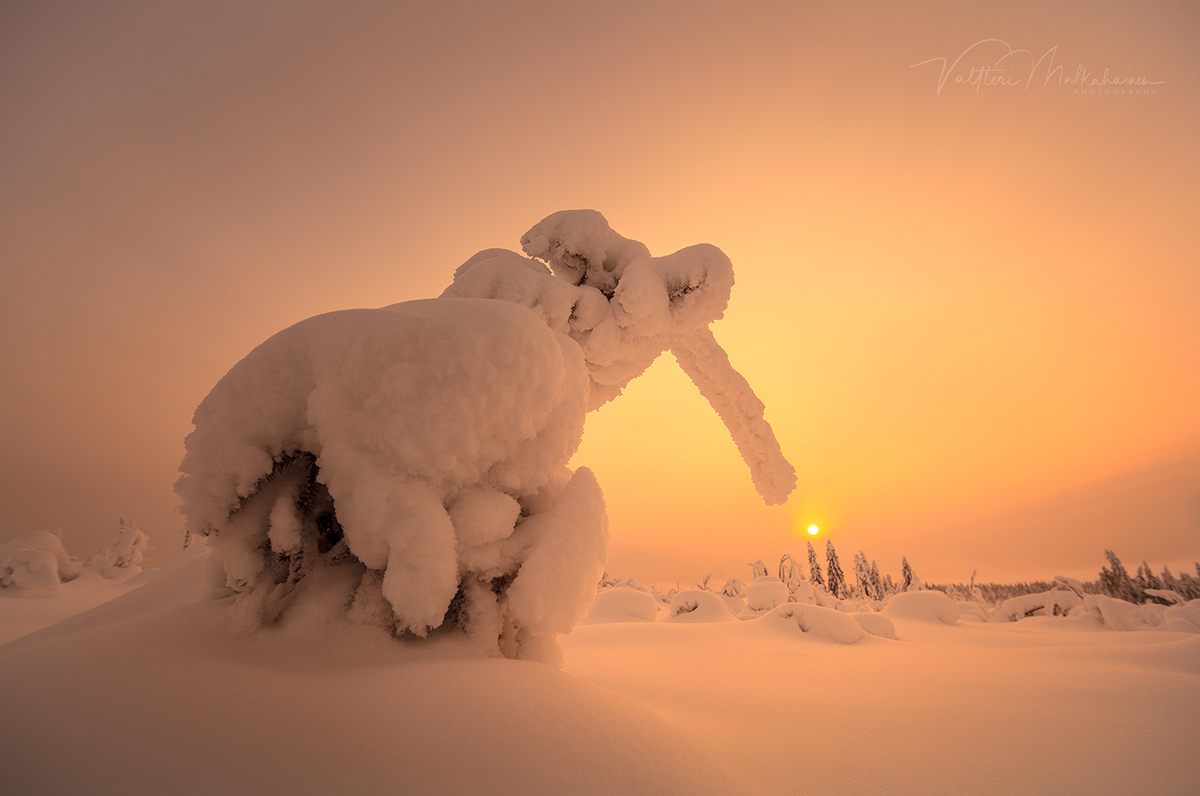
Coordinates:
<point>964,310</point>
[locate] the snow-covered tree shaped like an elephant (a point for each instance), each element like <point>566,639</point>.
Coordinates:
<point>408,465</point>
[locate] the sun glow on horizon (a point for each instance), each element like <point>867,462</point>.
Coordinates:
<point>813,530</point>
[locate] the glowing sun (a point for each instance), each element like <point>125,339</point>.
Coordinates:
<point>812,530</point>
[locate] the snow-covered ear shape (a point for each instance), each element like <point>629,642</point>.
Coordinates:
<point>698,281</point>
<point>583,249</point>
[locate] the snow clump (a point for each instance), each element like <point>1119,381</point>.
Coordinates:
<point>698,605</point>
<point>34,563</point>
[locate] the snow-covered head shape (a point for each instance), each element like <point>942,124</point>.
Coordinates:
<point>624,308</point>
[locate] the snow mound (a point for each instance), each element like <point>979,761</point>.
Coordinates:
<point>1117,614</point>
<point>622,604</point>
<point>923,606</point>
<point>764,593</point>
<point>697,605</point>
<point>34,564</point>
<point>816,622</point>
<point>1183,618</point>
<point>168,703</point>
<point>876,624</point>
<point>973,611</point>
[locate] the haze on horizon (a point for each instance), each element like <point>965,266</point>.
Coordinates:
<point>971,313</point>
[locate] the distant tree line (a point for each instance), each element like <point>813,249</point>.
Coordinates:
<point>1113,580</point>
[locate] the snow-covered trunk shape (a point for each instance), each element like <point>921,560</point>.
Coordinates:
<point>728,392</point>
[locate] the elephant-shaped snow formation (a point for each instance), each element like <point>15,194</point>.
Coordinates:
<point>408,465</point>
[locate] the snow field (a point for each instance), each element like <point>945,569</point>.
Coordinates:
<point>171,701</point>
<point>1041,706</point>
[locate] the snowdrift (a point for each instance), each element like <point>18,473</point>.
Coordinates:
<point>168,702</point>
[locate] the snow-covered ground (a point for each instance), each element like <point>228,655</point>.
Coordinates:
<point>147,693</point>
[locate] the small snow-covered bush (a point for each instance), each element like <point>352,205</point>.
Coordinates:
<point>1056,602</point>
<point>734,595</point>
<point>698,605</point>
<point>34,563</point>
<point>734,588</point>
<point>123,558</point>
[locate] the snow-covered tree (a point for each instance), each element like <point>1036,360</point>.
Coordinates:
<point>876,582</point>
<point>123,558</point>
<point>837,580</point>
<point>1168,579</point>
<point>1146,579</point>
<point>36,563</point>
<point>759,569</point>
<point>422,449</point>
<point>814,568</point>
<point>791,575</point>
<point>906,575</point>
<point>862,576</point>
<point>733,588</point>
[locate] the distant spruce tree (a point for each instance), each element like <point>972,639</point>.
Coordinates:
<point>906,574</point>
<point>837,581</point>
<point>1152,580</point>
<point>1169,581</point>
<point>862,575</point>
<point>1115,581</point>
<point>1189,587</point>
<point>814,568</point>
<point>876,582</point>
